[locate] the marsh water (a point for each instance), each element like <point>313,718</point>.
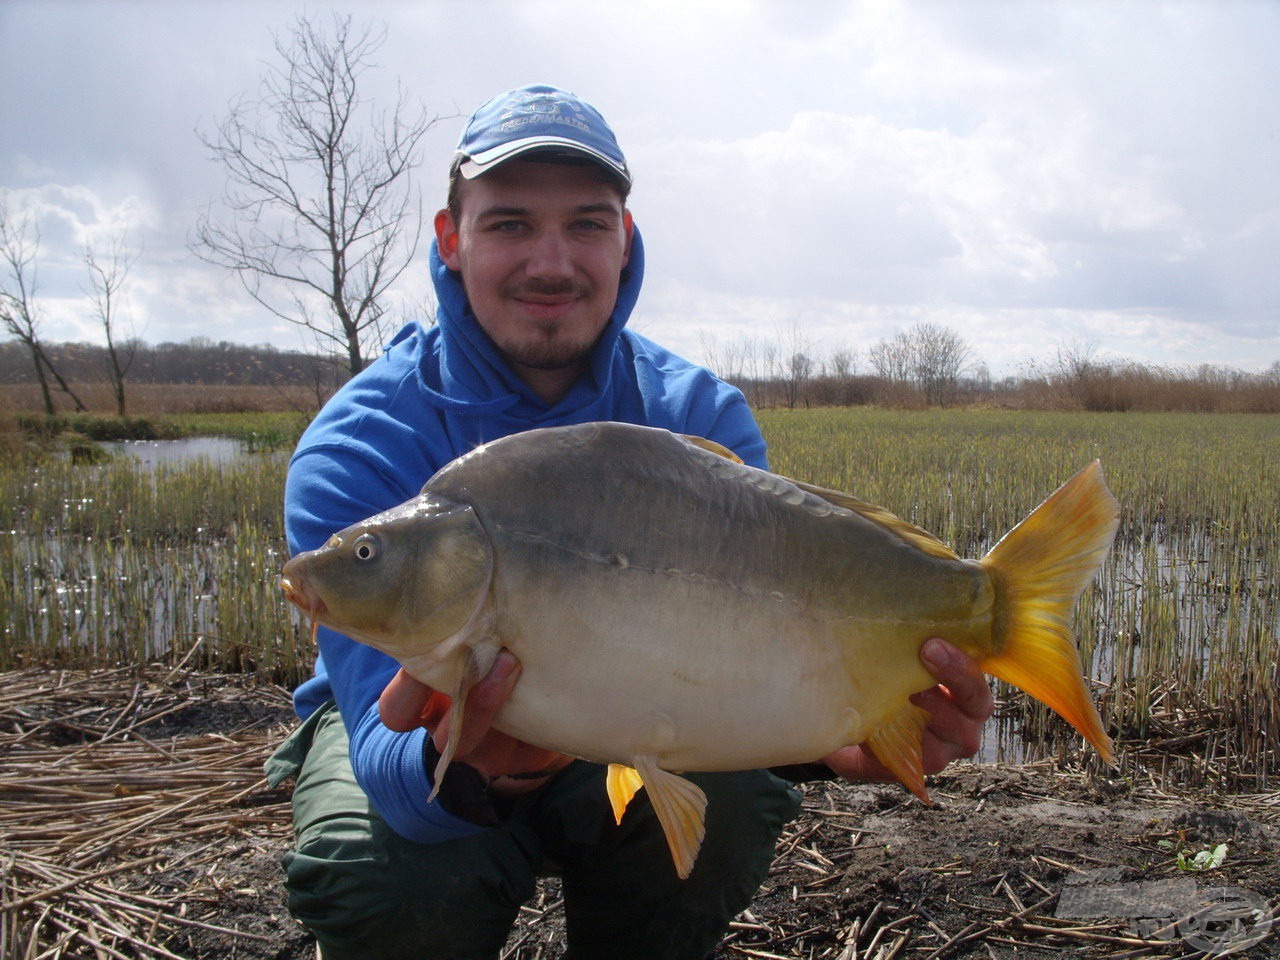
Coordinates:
<point>177,545</point>
<point>152,453</point>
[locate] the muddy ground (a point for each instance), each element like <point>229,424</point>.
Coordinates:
<point>136,825</point>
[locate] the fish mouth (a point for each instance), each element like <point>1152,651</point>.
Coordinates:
<point>305,599</point>
<point>301,595</point>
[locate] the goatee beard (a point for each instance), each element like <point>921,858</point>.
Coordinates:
<point>549,354</point>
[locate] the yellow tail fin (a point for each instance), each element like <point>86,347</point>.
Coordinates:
<point>1039,570</point>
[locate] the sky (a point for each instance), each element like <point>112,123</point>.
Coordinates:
<point>1039,177</point>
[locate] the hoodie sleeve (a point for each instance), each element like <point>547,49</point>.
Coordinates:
<point>686,398</point>
<point>328,488</point>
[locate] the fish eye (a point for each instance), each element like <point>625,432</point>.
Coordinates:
<point>365,547</point>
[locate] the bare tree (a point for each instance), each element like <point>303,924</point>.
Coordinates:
<point>891,359</point>
<point>766,368</point>
<point>843,363</point>
<point>726,360</point>
<point>106,278</point>
<point>798,366</point>
<point>323,217</point>
<point>19,315</point>
<point>938,357</point>
<point>928,356</point>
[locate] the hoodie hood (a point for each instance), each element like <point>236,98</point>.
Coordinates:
<point>463,372</point>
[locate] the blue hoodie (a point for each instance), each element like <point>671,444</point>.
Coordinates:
<point>433,395</point>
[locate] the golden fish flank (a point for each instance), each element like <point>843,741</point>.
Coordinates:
<point>674,610</point>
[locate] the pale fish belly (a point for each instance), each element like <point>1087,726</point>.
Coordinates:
<point>695,671</point>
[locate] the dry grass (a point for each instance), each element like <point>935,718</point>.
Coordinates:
<point>126,795</point>
<point>152,399</point>
<point>137,825</point>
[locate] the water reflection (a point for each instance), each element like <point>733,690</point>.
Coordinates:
<point>152,453</point>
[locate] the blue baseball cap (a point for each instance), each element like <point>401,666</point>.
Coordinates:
<point>538,118</point>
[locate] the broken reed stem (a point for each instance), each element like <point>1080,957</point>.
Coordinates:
<point>96,828</point>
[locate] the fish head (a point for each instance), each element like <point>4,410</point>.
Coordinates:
<point>401,581</point>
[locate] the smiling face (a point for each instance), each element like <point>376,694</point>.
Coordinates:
<point>541,248</point>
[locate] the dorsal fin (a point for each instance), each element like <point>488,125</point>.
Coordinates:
<point>719,449</point>
<point>922,540</point>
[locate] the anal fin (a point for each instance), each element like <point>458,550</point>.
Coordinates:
<point>681,808</point>
<point>622,782</point>
<point>897,744</point>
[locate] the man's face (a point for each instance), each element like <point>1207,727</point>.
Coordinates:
<point>540,247</point>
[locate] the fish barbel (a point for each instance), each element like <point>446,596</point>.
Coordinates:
<point>674,610</point>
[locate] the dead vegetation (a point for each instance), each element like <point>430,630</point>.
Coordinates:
<point>137,824</point>
<point>134,813</point>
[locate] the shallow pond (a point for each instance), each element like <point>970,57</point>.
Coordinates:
<point>152,453</point>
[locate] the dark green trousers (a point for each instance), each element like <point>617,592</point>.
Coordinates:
<point>369,894</point>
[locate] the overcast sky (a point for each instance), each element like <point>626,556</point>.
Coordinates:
<point>1034,175</point>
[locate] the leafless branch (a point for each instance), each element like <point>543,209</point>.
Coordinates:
<point>320,216</point>
<point>19,308</point>
<point>107,274</point>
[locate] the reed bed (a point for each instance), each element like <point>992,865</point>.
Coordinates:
<point>1180,628</point>
<point>102,565</point>
<point>108,563</point>
<point>153,399</point>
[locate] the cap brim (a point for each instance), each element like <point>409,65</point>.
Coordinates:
<point>477,164</point>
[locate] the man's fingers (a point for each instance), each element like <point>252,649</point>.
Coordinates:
<point>858,764</point>
<point>957,708</point>
<point>407,703</point>
<point>961,676</point>
<point>485,700</point>
<point>402,702</point>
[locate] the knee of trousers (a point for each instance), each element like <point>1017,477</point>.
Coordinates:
<point>746,807</point>
<point>355,901</point>
<point>746,813</point>
<point>407,901</point>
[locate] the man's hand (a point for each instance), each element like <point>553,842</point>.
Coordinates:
<point>407,703</point>
<point>959,706</point>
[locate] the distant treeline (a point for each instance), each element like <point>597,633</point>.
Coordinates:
<point>1096,387</point>
<point>197,361</point>
<point>301,380</point>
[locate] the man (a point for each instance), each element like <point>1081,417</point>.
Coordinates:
<point>537,264</point>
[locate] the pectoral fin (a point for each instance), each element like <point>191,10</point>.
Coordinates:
<point>457,712</point>
<point>680,806</point>
<point>897,745</point>
<point>622,783</point>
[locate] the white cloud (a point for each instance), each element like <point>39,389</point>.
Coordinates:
<point>1023,172</point>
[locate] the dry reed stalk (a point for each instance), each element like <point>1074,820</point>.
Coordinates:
<point>104,800</point>
<point>128,794</point>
